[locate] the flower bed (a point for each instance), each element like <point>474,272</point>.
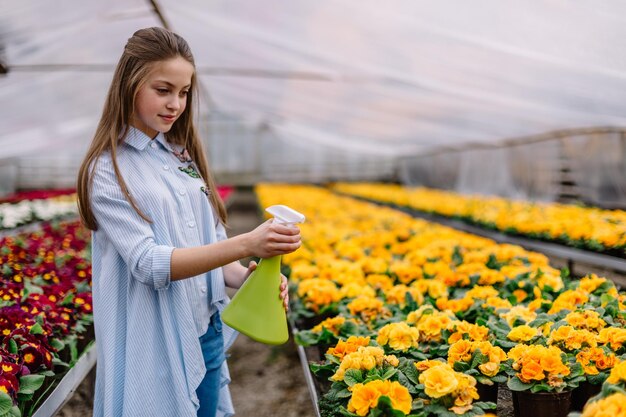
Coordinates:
<point>36,195</point>
<point>27,211</point>
<point>403,307</point>
<point>45,311</point>
<point>580,227</point>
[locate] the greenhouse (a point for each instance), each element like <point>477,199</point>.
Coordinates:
<point>446,182</point>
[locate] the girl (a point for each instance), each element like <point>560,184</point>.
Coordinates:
<point>161,258</point>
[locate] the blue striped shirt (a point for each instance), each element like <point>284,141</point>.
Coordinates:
<point>147,327</point>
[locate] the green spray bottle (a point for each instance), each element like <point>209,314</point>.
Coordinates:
<point>256,310</point>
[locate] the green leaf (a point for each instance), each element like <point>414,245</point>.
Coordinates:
<point>391,372</point>
<point>540,388</point>
<point>478,359</point>
<point>22,398</point>
<point>353,376</point>
<point>306,338</point>
<point>597,379</point>
<point>384,405</point>
<point>409,370</point>
<point>461,366</point>
<point>68,300</point>
<point>71,341</point>
<point>515,384</point>
<point>347,413</point>
<point>15,412</point>
<point>30,383</point>
<point>36,329</point>
<point>57,361</point>
<point>12,347</point>
<point>57,344</point>
<point>344,393</point>
<point>500,379</point>
<point>6,403</point>
<point>457,258</point>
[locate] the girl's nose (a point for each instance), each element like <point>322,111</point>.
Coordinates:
<point>174,103</point>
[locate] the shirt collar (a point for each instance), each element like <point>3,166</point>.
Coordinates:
<point>139,140</point>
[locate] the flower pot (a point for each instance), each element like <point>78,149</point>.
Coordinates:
<point>541,404</point>
<point>487,392</point>
<point>582,393</point>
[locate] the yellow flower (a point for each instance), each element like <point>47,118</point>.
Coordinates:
<point>613,405</point>
<point>343,348</point>
<point>318,292</point>
<point>465,392</point>
<point>363,399</point>
<point>333,325</point>
<point>366,307</point>
<point>568,300</point>
<point>379,281</point>
<point>586,319</point>
<point>618,374</point>
<point>427,364</point>
<point>518,312</point>
<point>400,397</point>
<point>399,336</point>
<point>613,336</point>
<point>531,370</point>
<point>431,326</point>
<point>591,282</point>
<point>497,302</point>
<point>522,333</point>
<point>474,331</point>
<point>437,289</point>
<point>397,295</point>
<point>439,381</point>
<point>460,351</point>
<point>365,396</point>
<point>303,270</point>
<point>405,272</point>
<point>354,289</point>
<point>489,369</point>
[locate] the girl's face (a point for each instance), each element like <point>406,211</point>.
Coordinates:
<point>163,97</point>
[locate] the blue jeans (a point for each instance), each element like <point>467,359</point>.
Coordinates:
<point>212,343</point>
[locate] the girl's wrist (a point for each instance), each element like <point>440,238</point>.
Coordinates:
<point>245,244</point>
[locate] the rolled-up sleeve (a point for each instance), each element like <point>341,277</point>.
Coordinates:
<point>131,236</point>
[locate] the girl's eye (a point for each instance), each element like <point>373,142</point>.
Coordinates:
<point>184,93</point>
<point>162,90</point>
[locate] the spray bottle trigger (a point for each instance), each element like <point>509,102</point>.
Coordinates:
<point>284,214</point>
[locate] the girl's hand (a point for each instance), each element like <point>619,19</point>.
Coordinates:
<point>284,292</point>
<point>271,239</point>
<point>251,268</point>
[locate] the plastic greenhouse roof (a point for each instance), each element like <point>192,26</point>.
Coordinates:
<point>360,75</point>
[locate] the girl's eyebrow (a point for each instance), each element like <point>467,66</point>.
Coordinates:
<point>169,84</point>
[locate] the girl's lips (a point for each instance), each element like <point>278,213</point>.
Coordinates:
<point>168,118</point>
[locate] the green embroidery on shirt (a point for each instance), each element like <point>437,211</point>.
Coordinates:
<point>190,170</point>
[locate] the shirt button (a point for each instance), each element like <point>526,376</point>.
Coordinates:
<point>182,191</point>
<point>166,167</point>
<point>153,145</point>
<point>191,224</point>
<point>203,289</point>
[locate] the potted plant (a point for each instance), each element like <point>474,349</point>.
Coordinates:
<point>541,379</point>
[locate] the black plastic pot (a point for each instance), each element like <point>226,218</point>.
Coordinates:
<point>541,404</point>
<point>487,392</point>
<point>582,393</point>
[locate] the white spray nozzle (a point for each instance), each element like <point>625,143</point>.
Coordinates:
<point>284,214</point>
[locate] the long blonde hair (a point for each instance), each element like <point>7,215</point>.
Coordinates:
<point>142,51</point>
